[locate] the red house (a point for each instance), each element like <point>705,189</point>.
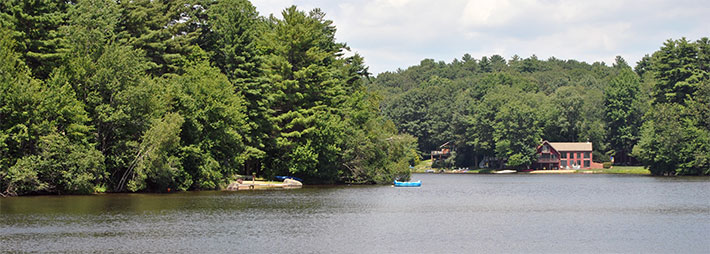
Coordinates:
<point>565,155</point>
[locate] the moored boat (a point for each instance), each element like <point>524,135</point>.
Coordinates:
<point>281,178</point>
<point>407,184</point>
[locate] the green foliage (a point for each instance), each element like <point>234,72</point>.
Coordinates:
<point>64,167</point>
<point>35,27</point>
<point>662,139</point>
<point>22,177</point>
<point>606,164</point>
<point>675,137</point>
<point>516,134</point>
<point>232,39</point>
<point>157,166</point>
<point>674,142</point>
<point>104,95</point>
<point>214,124</point>
<point>677,69</point>
<point>516,131</point>
<point>16,102</point>
<point>495,108</point>
<point>119,100</point>
<point>167,31</point>
<point>374,155</point>
<point>128,100</point>
<point>44,140</point>
<point>303,66</point>
<point>622,113</point>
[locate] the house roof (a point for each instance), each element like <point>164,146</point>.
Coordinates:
<point>571,146</point>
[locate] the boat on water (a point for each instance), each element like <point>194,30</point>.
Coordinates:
<point>407,184</point>
<point>281,178</point>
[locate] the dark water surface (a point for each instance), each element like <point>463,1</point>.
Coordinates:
<point>448,214</point>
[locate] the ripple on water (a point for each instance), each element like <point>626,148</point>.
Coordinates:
<point>448,214</point>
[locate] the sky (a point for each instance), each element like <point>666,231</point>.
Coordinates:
<point>393,34</point>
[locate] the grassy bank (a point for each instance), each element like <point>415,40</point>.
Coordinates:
<point>422,167</point>
<point>632,170</point>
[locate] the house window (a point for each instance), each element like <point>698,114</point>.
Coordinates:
<point>586,163</point>
<point>586,155</point>
<point>579,162</point>
<point>563,155</point>
<point>545,149</point>
<point>579,155</point>
<point>563,163</point>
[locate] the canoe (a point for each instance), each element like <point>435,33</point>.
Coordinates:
<point>281,178</point>
<point>407,184</point>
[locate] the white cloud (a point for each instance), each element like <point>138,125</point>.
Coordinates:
<point>393,34</point>
<point>487,13</point>
<point>266,7</point>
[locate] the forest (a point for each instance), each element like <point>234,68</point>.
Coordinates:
<point>147,96</point>
<point>655,114</point>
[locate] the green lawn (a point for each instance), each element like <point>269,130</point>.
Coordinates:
<point>633,170</point>
<point>425,165</point>
<point>422,167</point>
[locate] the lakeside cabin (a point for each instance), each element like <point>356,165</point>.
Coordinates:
<point>565,155</point>
<point>443,152</point>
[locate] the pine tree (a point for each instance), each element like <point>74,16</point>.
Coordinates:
<point>675,68</point>
<point>167,31</point>
<point>35,25</point>
<point>232,44</point>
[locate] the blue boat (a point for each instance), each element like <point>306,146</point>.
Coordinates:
<point>281,178</point>
<point>407,184</point>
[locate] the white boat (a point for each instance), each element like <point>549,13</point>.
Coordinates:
<point>507,171</point>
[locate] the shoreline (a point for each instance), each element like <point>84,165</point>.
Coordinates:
<point>617,170</point>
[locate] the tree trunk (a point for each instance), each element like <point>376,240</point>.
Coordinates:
<point>475,160</point>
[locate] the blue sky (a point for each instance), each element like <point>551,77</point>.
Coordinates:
<point>394,34</point>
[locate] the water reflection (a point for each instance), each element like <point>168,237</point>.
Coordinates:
<point>448,214</point>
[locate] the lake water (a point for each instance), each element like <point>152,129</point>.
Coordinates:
<point>448,214</point>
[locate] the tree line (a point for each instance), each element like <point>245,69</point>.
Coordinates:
<point>655,113</point>
<point>145,95</point>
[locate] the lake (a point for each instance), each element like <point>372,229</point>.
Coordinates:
<point>466,213</point>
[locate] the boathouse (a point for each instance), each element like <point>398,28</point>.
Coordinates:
<point>565,155</point>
